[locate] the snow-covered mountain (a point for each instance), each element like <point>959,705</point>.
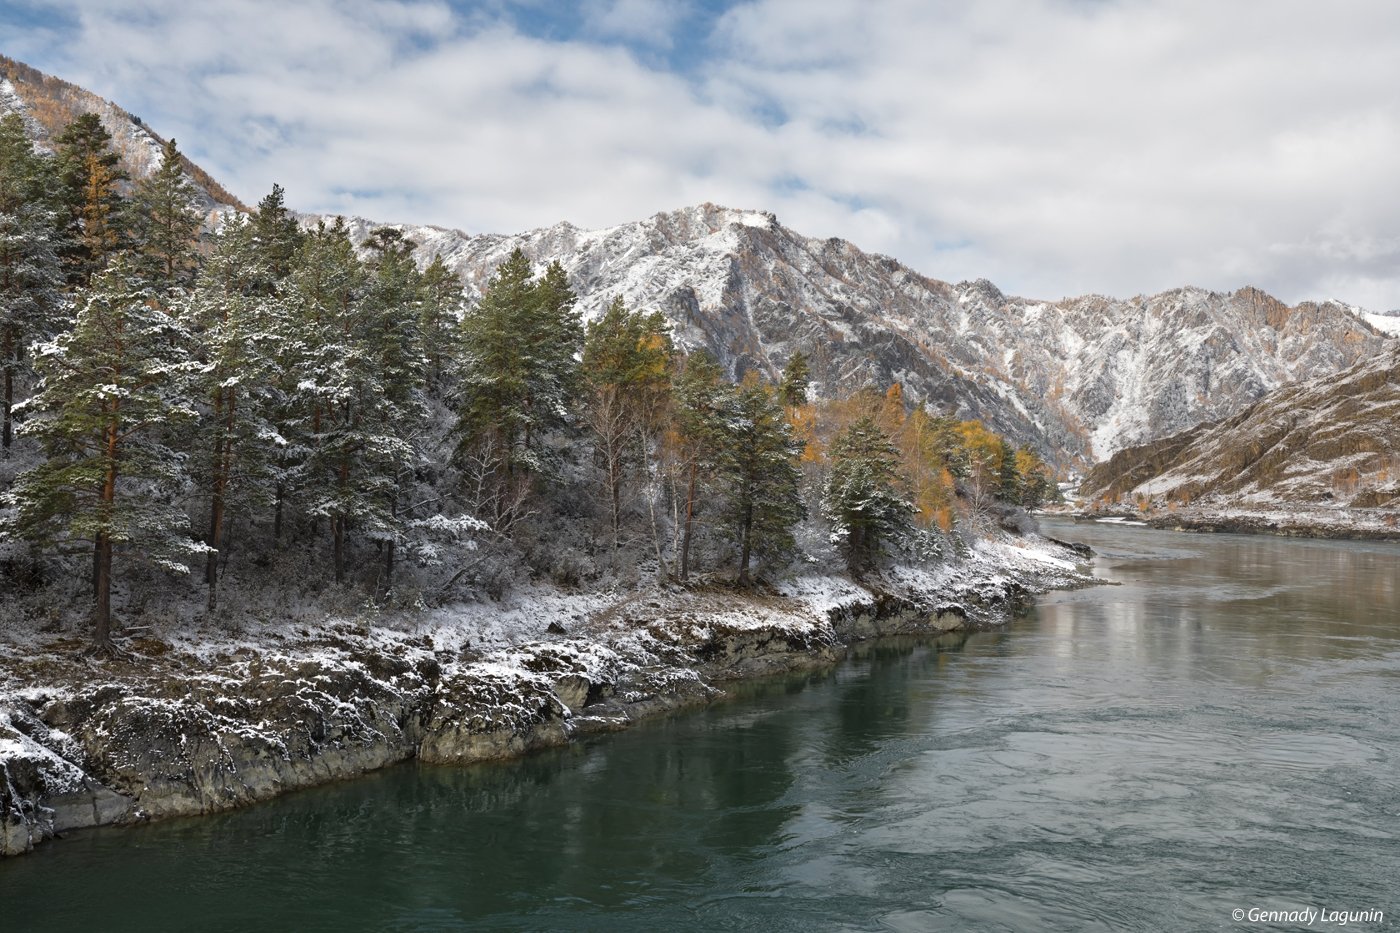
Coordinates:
<point>1080,378</point>
<point>48,104</point>
<point>1332,439</point>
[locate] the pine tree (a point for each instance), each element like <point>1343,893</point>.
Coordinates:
<point>553,335</point>
<point>1008,479</point>
<point>627,367</point>
<point>518,380</point>
<point>494,366</point>
<point>165,223</point>
<point>440,322</point>
<point>277,235</point>
<point>89,178</point>
<point>758,462</point>
<point>862,498</point>
<point>797,376</point>
<point>700,393</point>
<point>111,388</point>
<point>236,336</point>
<point>357,368</point>
<point>30,270</point>
<point>325,359</point>
<point>392,307</point>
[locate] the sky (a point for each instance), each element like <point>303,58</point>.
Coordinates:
<point>1055,147</point>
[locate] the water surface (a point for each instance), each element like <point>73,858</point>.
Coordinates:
<point>1218,731</point>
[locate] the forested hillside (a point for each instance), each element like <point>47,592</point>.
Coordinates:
<point>192,417</point>
<point>49,104</point>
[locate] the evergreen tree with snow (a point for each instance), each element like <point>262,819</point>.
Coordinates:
<point>90,177</point>
<point>325,359</point>
<point>164,223</point>
<point>111,391</point>
<point>392,307</point>
<point>31,276</point>
<point>356,372</point>
<point>758,464</point>
<point>797,376</point>
<point>553,334</point>
<point>1008,479</point>
<point>518,381</point>
<point>440,323</point>
<point>494,365</point>
<point>699,396</point>
<point>862,498</point>
<point>277,235</point>
<point>237,338</point>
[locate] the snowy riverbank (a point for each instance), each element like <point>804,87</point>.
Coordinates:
<point>195,721</point>
<point>1290,521</point>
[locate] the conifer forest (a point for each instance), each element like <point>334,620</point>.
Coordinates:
<point>192,413</point>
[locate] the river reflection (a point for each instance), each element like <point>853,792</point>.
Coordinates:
<point>1217,729</point>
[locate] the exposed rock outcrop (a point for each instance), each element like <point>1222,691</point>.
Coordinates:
<point>1316,457</point>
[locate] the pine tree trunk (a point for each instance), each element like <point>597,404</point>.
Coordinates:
<point>102,616</point>
<point>277,516</point>
<point>216,509</point>
<point>102,548</point>
<point>9,354</point>
<point>389,551</point>
<point>211,566</point>
<point>615,488</point>
<point>745,548</point>
<point>338,524</point>
<point>389,569</point>
<point>689,522</point>
<point>338,536</point>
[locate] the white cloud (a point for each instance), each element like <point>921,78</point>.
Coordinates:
<point>652,22</point>
<point>1054,146</point>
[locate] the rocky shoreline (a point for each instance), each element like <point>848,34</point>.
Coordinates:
<point>1330,524</point>
<point>170,731</point>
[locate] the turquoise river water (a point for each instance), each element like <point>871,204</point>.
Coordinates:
<point>1219,732</point>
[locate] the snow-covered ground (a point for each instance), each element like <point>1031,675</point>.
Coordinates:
<point>199,717</point>
<point>1385,323</point>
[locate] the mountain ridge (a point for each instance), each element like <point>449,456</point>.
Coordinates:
<point>1086,375</point>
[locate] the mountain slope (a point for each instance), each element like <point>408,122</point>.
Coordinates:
<point>1079,378</point>
<point>1333,439</point>
<point>49,104</point>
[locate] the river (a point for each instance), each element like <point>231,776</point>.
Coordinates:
<point>1218,731</point>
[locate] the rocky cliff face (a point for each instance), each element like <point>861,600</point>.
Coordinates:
<point>1078,378</point>
<point>1331,440</point>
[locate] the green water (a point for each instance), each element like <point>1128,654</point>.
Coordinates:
<point>1220,731</point>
